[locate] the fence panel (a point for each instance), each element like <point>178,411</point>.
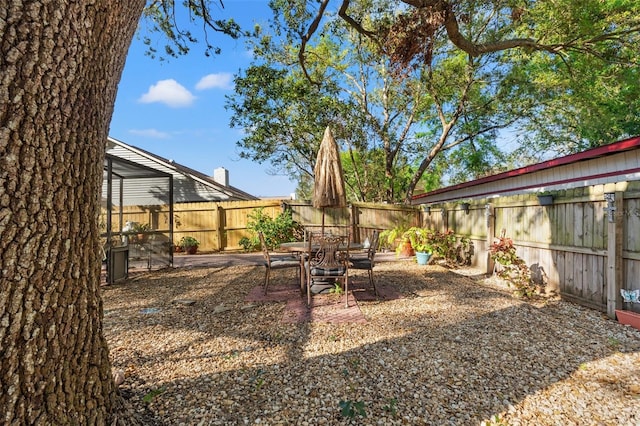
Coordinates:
<point>237,214</point>
<point>564,243</point>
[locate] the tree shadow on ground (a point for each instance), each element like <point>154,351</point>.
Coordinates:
<point>452,351</point>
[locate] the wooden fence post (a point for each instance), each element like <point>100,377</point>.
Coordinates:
<point>491,223</point>
<point>615,205</point>
<point>354,212</point>
<point>445,218</point>
<point>217,213</point>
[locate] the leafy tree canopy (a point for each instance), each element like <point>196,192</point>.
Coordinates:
<point>421,78</point>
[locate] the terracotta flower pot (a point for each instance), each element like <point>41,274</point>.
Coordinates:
<point>406,250</point>
<point>628,318</point>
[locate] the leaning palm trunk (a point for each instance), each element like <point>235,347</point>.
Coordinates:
<point>60,63</point>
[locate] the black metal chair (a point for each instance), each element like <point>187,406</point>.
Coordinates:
<point>327,259</point>
<point>275,263</point>
<point>367,263</point>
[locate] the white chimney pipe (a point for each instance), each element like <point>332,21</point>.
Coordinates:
<point>221,175</point>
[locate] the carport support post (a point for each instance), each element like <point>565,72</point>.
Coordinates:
<point>614,251</point>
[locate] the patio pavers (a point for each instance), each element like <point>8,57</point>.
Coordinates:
<point>326,308</point>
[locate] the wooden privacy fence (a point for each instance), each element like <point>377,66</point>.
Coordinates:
<point>582,246</point>
<point>219,226</point>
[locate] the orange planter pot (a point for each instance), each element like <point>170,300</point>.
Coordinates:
<point>406,250</point>
<point>629,318</point>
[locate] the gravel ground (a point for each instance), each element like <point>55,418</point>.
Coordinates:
<point>456,349</point>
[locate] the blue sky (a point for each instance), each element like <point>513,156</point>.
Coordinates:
<point>175,109</point>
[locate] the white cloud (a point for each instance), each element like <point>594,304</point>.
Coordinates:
<point>150,133</point>
<point>168,92</point>
<point>221,80</point>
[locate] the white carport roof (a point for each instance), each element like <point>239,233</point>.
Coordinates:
<point>116,168</point>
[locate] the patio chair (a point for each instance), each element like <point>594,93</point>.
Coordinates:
<point>367,263</point>
<point>275,263</point>
<point>327,259</point>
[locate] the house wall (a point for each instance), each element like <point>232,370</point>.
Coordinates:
<point>606,164</point>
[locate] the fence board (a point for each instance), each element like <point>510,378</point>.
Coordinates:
<point>632,231</point>
<point>579,275</point>
<point>596,280</point>
<point>578,224</point>
<point>569,282</point>
<point>599,226</point>
<point>559,259</point>
<point>632,275</point>
<point>588,221</point>
<point>565,236</point>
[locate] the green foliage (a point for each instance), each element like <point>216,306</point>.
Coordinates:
<point>152,394</point>
<point>337,289</point>
<point>282,116</point>
<point>513,268</point>
<point>388,237</point>
<point>421,239</point>
<point>477,158</point>
<point>573,62</point>
<point>187,241</point>
<point>351,409</point>
<point>391,407</point>
<point>444,245</point>
<point>364,171</point>
<point>371,113</point>
<point>282,229</point>
<point>136,227</point>
<point>160,17</point>
<point>613,342</point>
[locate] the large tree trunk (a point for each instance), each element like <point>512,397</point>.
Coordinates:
<point>60,63</point>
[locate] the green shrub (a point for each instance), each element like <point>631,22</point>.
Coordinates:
<point>186,242</point>
<point>282,229</point>
<point>421,239</point>
<point>513,268</point>
<point>447,246</point>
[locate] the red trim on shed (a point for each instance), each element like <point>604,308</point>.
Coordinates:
<point>601,151</point>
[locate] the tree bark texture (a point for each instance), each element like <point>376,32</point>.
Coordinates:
<point>60,63</point>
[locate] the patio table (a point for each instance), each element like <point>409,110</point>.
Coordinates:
<point>301,247</point>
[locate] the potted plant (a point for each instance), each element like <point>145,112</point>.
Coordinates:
<point>420,239</point>
<point>141,229</point>
<point>395,239</point>
<point>189,244</point>
<point>627,316</point>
